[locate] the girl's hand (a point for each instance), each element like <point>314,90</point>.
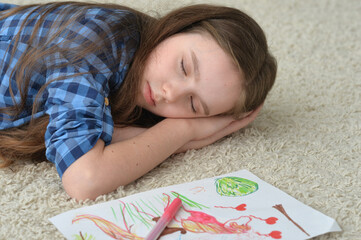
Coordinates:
<point>206,130</point>
<point>216,128</point>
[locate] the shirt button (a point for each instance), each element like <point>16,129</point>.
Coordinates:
<point>106,101</point>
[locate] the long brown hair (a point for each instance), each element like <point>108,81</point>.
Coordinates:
<point>238,34</point>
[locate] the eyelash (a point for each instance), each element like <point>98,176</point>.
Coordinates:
<point>185,73</point>
<point>183,68</point>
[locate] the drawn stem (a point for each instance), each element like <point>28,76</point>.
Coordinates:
<point>81,235</point>
<point>123,215</point>
<point>280,208</point>
<point>187,201</point>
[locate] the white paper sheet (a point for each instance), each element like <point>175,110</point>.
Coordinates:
<point>237,205</point>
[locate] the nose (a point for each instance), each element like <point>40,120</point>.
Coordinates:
<point>173,91</point>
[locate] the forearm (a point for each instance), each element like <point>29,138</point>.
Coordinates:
<point>138,155</point>
<point>124,133</point>
<point>122,162</point>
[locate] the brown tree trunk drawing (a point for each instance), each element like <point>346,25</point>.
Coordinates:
<point>280,208</point>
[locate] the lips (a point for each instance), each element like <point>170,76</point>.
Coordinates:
<point>148,95</point>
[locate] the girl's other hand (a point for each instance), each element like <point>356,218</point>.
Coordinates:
<point>205,130</point>
<point>209,130</point>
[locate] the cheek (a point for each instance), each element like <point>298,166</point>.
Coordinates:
<point>232,92</point>
<point>232,98</point>
<point>223,101</point>
<point>152,66</point>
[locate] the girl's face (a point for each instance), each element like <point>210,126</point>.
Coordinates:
<point>189,75</point>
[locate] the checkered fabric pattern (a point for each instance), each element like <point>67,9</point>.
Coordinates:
<point>74,98</point>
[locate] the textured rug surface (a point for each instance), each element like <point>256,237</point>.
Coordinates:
<point>306,141</point>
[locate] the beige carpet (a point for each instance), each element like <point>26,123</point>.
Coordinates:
<point>306,141</point>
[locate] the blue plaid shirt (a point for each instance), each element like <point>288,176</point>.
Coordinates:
<point>78,111</point>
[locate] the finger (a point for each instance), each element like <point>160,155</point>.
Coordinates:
<point>223,120</point>
<point>246,120</point>
<point>258,109</point>
<point>246,114</point>
<point>233,125</point>
<point>253,114</point>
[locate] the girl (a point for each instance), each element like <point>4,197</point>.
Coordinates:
<point>107,93</point>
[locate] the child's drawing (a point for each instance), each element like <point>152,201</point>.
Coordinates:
<point>235,186</point>
<point>195,222</point>
<point>200,222</point>
<point>196,190</point>
<point>256,210</point>
<point>82,236</point>
<point>280,208</point>
<point>109,228</point>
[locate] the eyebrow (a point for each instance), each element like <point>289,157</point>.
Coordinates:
<point>197,74</point>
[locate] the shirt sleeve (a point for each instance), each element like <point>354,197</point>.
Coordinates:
<point>77,119</point>
<point>78,114</point>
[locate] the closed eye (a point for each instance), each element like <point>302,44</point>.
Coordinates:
<point>183,68</point>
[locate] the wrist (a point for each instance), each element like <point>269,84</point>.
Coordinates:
<point>182,126</point>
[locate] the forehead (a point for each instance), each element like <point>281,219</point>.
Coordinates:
<point>198,38</point>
